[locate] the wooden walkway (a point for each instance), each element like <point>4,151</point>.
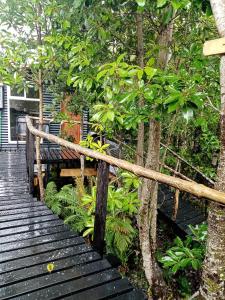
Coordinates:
<point>188,212</point>
<point>58,156</point>
<point>31,237</point>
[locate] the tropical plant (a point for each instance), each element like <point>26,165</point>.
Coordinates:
<point>122,207</point>
<point>187,253</point>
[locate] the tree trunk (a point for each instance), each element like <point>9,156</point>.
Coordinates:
<point>149,194</point>
<point>213,276</point>
<point>147,212</point>
<point>140,61</point>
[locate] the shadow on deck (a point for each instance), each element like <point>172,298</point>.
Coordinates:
<point>31,236</point>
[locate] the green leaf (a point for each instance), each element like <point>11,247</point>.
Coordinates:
<point>195,264</point>
<point>141,3</point>
<point>140,74</point>
<point>66,24</point>
<point>110,115</point>
<point>176,4</point>
<point>172,98</point>
<point>168,16</point>
<point>173,106</point>
<point>88,232</point>
<point>161,3</point>
<point>77,3</point>
<point>150,72</point>
<point>101,74</point>
<point>109,93</point>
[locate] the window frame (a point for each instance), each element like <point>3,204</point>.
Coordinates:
<point>17,98</point>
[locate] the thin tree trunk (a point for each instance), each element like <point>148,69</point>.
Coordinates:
<point>213,275</point>
<point>147,215</point>
<point>149,195</point>
<point>140,60</point>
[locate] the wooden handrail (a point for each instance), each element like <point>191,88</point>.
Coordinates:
<point>199,190</point>
<point>188,164</point>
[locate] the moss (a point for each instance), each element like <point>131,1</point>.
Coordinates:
<point>213,287</point>
<point>222,276</point>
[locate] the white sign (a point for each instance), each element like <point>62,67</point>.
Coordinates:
<point>214,47</point>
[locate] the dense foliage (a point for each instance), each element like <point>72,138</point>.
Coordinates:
<point>131,63</point>
<point>78,210</point>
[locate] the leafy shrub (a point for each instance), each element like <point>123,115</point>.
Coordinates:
<point>185,255</point>
<point>122,206</point>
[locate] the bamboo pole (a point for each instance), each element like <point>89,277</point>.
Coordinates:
<point>199,190</point>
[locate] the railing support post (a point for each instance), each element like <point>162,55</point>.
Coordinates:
<point>101,206</point>
<point>30,156</point>
<point>27,150</point>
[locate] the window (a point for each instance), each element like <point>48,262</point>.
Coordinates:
<point>20,103</point>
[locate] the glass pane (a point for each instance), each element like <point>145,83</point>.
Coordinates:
<point>19,108</point>
<point>32,93</point>
<point>17,91</point>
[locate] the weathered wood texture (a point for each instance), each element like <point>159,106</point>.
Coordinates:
<point>214,47</point>
<point>199,190</point>
<point>101,206</point>
<point>58,156</point>
<point>78,172</point>
<point>31,237</point>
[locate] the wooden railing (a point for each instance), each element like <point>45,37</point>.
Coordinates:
<point>198,190</point>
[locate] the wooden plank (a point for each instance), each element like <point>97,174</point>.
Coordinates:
<point>48,257</point>
<point>214,47</point>
<point>30,234</point>
<point>33,285</point>
<point>25,215</point>
<point>133,295</point>
<point>22,210</point>
<point>68,154</point>
<point>101,206</point>
<point>73,286</point>
<point>23,205</point>
<point>107,291</point>
<point>40,269</point>
<point>39,240</point>
<point>77,172</point>
<point>29,222</point>
<point>30,228</point>
<point>29,251</point>
<point>57,155</point>
<point>64,154</point>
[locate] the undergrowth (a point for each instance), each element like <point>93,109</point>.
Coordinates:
<point>78,209</point>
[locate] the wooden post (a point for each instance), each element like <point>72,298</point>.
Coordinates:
<point>101,206</point>
<point>27,150</point>
<point>31,162</point>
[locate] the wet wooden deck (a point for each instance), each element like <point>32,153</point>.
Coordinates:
<point>31,237</point>
<point>58,156</point>
<point>188,213</point>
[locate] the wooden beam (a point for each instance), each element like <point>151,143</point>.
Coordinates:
<point>101,206</point>
<point>214,47</point>
<point>77,172</point>
<point>199,190</point>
